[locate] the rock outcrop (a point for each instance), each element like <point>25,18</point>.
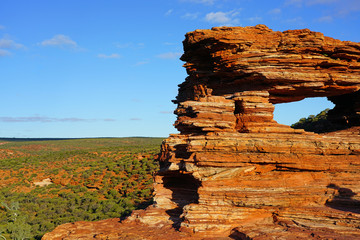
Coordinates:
<point>234,172</point>
<point>233,169</point>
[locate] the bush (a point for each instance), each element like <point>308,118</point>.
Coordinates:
<point>317,124</point>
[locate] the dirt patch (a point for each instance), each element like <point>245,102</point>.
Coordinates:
<point>44,182</point>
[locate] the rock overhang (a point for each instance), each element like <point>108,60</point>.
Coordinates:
<point>290,65</point>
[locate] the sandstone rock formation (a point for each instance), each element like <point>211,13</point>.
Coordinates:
<point>232,168</point>
<point>235,173</point>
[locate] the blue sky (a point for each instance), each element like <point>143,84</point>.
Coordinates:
<point>89,68</point>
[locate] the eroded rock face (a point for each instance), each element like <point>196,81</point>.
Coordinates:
<point>233,170</point>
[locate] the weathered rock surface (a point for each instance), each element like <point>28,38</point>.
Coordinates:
<point>232,167</point>
<point>233,172</point>
<point>112,229</point>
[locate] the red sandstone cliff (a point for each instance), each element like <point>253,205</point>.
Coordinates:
<point>234,172</point>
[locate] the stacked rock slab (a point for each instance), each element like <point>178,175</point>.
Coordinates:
<point>234,171</point>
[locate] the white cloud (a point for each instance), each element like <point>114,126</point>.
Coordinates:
<point>4,53</point>
<point>274,11</point>
<point>169,12</point>
<point>217,17</point>
<point>60,40</point>
<point>348,6</point>
<point>2,27</point>
<point>8,43</point>
<point>169,55</point>
<point>113,55</point>
<point>190,16</point>
<point>5,43</point>
<point>325,19</point>
<point>223,18</point>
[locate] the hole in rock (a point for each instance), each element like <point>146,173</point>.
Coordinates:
<point>184,188</point>
<point>305,113</point>
<point>240,121</point>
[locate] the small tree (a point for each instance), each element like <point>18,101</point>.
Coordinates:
<point>19,229</point>
<point>17,226</point>
<point>2,236</point>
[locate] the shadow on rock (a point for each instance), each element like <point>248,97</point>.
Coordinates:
<point>343,200</point>
<point>237,235</point>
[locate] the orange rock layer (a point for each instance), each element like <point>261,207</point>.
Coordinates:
<point>233,172</point>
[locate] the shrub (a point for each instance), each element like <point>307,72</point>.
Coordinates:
<point>317,124</point>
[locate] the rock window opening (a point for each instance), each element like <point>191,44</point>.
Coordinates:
<point>309,114</point>
<point>239,112</point>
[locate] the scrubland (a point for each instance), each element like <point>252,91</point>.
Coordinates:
<point>45,183</point>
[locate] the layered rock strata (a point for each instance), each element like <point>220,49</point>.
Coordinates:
<point>232,169</point>
<point>233,172</point>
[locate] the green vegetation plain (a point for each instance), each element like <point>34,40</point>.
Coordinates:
<point>48,182</point>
